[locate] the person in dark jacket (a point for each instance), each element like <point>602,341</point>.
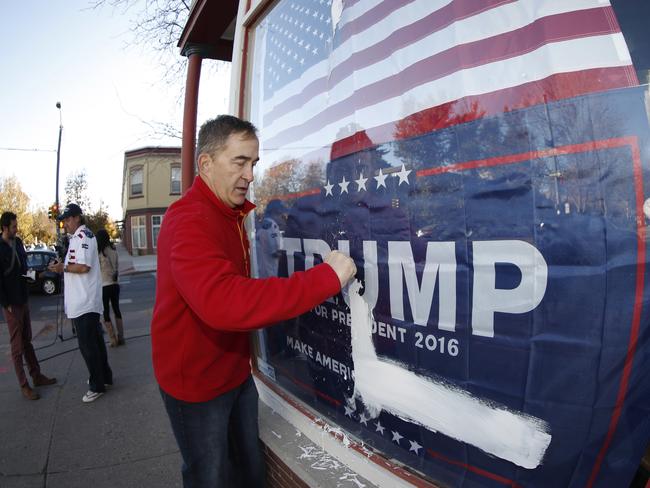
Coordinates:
<point>13,298</point>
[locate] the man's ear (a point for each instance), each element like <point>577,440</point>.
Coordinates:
<point>203,162</point>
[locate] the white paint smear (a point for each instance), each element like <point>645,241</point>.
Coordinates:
<point>389,386</point>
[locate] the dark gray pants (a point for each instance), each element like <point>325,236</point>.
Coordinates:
<point>93,350</point>
<point>218,439</point>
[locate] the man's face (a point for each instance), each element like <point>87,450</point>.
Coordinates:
<point>229,172</point>
<point>12,230</point>
<point>70,224</point>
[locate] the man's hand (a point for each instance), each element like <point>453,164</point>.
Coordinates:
<point>343,266</point>
<point>55,267</point>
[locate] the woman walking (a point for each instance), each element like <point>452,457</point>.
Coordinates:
<point>110,287</point>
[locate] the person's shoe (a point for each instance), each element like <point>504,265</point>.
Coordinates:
<point>42,380</point>
<point>91,396</point>
<point>121,341</point>
<point>29,393</point>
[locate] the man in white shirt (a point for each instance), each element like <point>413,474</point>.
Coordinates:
<point>83,299</point>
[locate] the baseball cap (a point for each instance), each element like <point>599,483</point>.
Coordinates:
<point>70,210</point>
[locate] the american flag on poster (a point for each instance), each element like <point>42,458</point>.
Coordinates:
<point>367,64</point>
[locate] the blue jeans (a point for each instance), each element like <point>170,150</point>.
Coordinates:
<point>218,439</point>
<point>93,350</point>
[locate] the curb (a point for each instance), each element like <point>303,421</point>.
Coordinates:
<point>133,271</point>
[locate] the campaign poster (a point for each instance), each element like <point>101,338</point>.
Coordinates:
<point>487,168</point>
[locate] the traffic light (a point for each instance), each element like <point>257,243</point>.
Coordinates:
<point>53,211</point>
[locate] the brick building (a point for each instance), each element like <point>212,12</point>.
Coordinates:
<point>151,181</point>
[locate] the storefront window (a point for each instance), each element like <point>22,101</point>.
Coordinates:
<point>139,232</point>
<point>485,164</point>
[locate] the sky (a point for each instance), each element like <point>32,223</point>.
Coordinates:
<point>65,51</point>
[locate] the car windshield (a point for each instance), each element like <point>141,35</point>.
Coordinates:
<point>34,259</point>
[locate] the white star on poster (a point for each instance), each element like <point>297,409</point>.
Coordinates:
<point>363,419</point>
<point>379,428</point>
<point>349,411</point>
<point>344,185</point>
<point>415,447</point>
<point>381,179</point>
<point>403,175</point>
<point>361,182</point>
<point>328,188</point>
<point>396,436</point>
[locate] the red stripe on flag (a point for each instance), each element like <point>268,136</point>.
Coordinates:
<point>571,25</point>
<point>450,13</point>
<point>395,41</point>
<point>474,469</point>
<point>402,37</point>
<point>349,3</point>
<point>636,318</point>
<point>555,87</point>
<point>290,196</point>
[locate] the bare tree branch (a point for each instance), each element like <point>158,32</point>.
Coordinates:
<point>157,24</point>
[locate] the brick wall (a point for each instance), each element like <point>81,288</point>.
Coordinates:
<point>278,474</point>
<point>126,234</point>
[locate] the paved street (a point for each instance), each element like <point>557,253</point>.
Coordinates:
<point>123,439</point>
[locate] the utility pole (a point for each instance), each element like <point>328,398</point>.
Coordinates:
<point>58,163</point>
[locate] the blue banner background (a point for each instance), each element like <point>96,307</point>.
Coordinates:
<point>563,362</point>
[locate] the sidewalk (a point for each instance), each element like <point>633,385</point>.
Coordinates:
<point>134,264</point>
<point>123,439</point>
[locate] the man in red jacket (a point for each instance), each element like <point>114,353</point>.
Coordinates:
<point>206,303</point>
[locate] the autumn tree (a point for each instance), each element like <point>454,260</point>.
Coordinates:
<point>14,199</point>
<point>101,220</point>
<point>32,226</point>
<point>276,182</point>
<point>43,229</point>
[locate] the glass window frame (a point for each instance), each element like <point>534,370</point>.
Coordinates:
<point>139,228</point>
<point>132,172</point>
<point>172,190</point>
<point>154,228</point>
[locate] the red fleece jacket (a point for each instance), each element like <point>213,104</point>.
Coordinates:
<point>206,302</point>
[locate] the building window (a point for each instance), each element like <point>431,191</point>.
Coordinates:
<point>139,232</point>
<point>175,187</point>
<point>156,220</point>
<point>135,181</point>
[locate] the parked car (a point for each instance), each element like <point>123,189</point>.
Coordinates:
<point>45,281</point>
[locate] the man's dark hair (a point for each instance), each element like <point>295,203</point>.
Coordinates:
<point>214,133</point>
<point>6,219</point>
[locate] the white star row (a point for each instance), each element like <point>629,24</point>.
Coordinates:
<point>415,446</point>
<point>403,176</point>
